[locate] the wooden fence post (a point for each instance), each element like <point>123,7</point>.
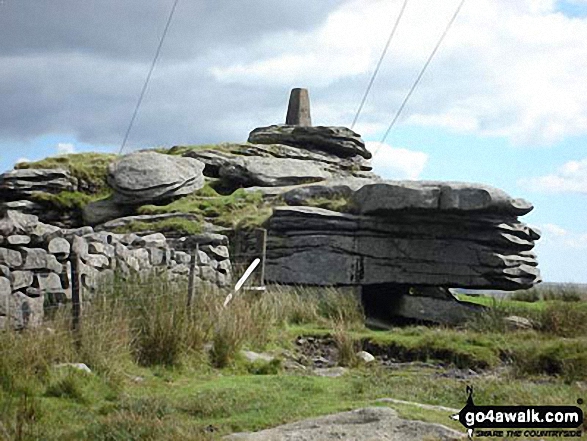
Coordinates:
<point>76,294</point>
<point>262,251</point>
<point>192,276</point>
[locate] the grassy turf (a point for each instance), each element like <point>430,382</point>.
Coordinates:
<point>153,378</point>
<point>91,168</point>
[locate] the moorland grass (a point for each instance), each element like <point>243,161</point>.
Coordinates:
<point>163,371</point>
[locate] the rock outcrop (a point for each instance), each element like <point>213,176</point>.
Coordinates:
<point>371,423</point>
<point>339,141</point>
<point>20,184</point>
<point>144,177</point>
<point>449,234</point>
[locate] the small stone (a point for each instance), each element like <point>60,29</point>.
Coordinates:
<point>515,322</point>
<point>129,239</point>
<point>153,241</point>
<point>4,271</point>
<point>79,247</point>
<point>203,258</point>
<point>182,257</point>
<point>365,356</point>
<point>10,258</point>
<point>97,261</point>
<point>220,252</point>
<point>256,356</point>
<point>332,372</point>
<point>224,266</point>
<point>21,279</point>
<point>77,366</point>
<point>182,268</point>
<point>34,258</point>
<point>59,247</point>
<point>157,256</point>
<point>208,274</point>
<point>18,239</point>
<point>48,283</point>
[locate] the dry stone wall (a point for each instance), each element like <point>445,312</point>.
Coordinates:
<point>36,261</point>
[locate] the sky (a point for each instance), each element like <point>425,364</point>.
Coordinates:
<point>504,101</point>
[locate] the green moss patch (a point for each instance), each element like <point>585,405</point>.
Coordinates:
<point>68,199</point>
<point>177,225</point>
<point>89,168</point>
<point>237,210</point>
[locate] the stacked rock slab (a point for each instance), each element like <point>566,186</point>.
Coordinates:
<point>35,263</point>
<point>17,187</point>
<point>410,233</point>
<point>281,156</point>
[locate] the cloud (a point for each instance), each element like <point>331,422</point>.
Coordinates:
<point>512,69</point>
<point>396,163</point>
<point>571,177</point>
<point>553,234</point>
<point>65,148</point>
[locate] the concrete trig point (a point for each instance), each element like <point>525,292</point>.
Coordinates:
<point>298,110</point>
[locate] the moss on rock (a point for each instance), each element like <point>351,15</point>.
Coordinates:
<point>89,168</point>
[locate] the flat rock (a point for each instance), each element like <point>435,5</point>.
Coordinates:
<point>314,246</point>
<point>368,424</point>
<point>272,172</point>
<point>331,189</point>
<point>392,196</point>
<point>148,176</point>
<point>98,212</point>
<point>339,141</point>
<point>22,183</point>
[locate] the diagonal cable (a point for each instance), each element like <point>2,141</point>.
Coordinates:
<point>144,89</point>
<point>407,97</point>
<point>399,17</point>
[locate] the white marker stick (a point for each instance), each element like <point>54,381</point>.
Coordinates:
<point>242,280</point>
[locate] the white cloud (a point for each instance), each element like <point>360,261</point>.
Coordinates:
<point>571,177</point>
<point>556,235</point>
<point>396,163</point>
<point>553,230</point>
<point>65,148</point>
<point>513,69</point>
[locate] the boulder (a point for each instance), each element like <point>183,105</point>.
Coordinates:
<point>272,172</point>
<point>22,183</point>
<point>143,177</point>
<point>391,196</point>
<point>339,141</point>
<point>371,423</point>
